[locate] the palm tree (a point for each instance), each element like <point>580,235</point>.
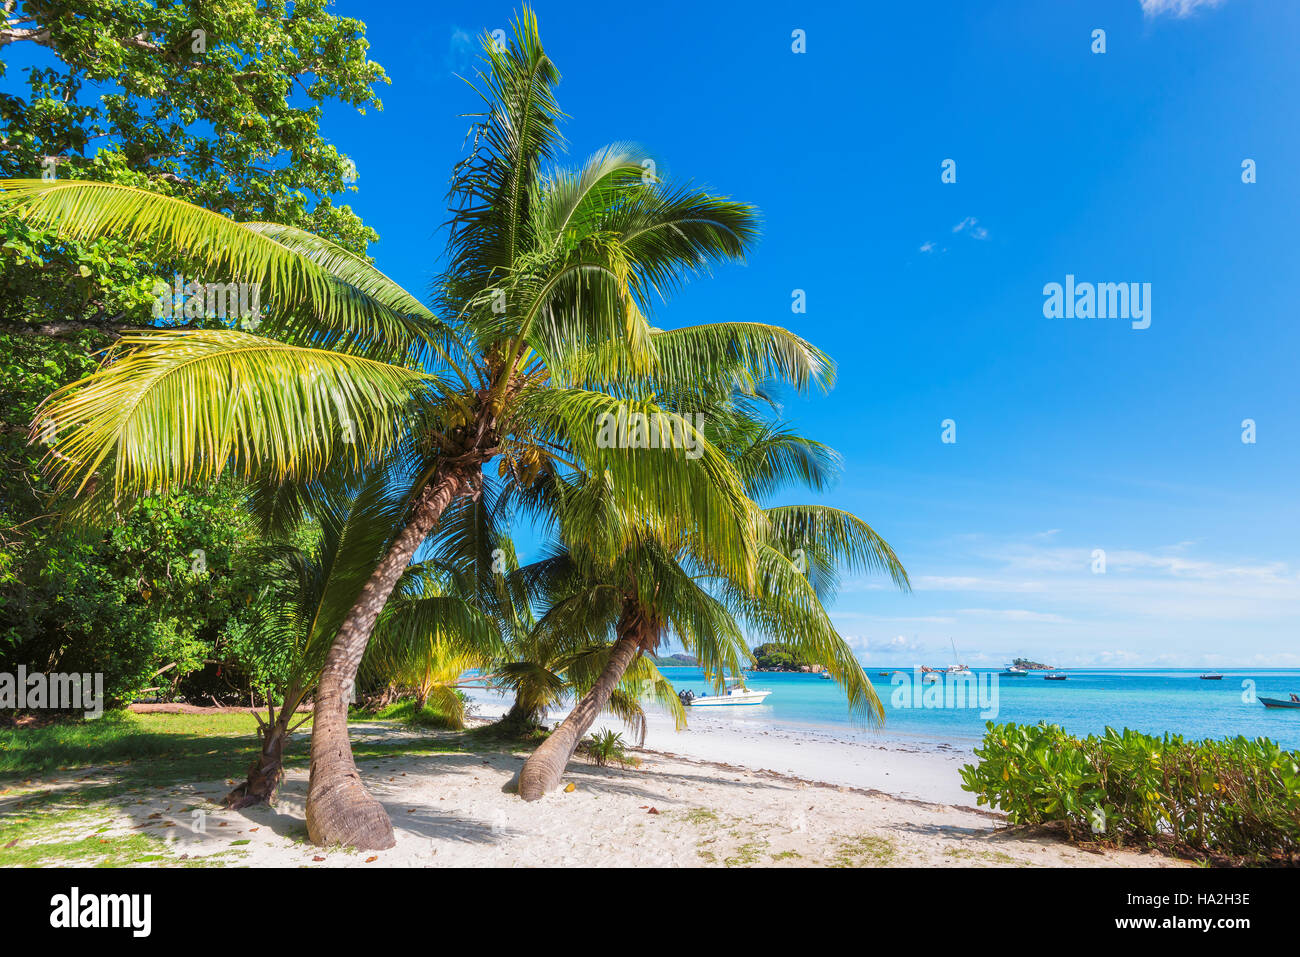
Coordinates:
<point>547,267</point>
<point>549,659</point>
<point>343,530</point>
<point>669,576</point>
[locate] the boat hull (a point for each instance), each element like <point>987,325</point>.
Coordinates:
<point>1278,703</point>
<point>729,701</point>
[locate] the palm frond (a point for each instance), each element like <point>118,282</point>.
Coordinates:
<point>831,538</point>
<point>348,301</point>
<point>172,408</point>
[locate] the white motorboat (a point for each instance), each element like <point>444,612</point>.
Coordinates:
<point>735,694</point>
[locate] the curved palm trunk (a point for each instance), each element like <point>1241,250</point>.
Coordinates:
<point>339,809</point>
<point>267,770</point>
<point>542,771</point>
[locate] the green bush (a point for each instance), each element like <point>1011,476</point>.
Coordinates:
<point>1236,797</point>
<point>606,746</point>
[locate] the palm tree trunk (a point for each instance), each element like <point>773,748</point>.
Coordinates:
<point>267,770</point>
<point>339,809</point>
<point>519,719</point>
<point>542,771</point>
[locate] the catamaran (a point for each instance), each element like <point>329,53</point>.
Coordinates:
<point>735,693</point>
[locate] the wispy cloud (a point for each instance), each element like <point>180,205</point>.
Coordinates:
<point>1179,8</point>
<point>970,225</point>
<point>1012,614</point>
<point>885,647</point>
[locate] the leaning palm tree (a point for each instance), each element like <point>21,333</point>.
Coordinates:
<point>667,577</point>
<point>547,660</point>
<point>546,266</point>
<point>338,536</point>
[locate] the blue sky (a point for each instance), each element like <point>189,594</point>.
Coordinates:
<point>1072,434</point>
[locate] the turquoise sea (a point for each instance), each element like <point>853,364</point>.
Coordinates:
<point>1152,701</point>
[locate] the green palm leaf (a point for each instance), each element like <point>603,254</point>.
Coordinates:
<point>173,408</point>
<point>348,300</point>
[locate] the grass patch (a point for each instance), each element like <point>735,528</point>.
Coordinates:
<point>865,851</point>
<point>71,829</point>
<point>700,816</point>
<point>158,748</point>
<point>747,854</point>
<point>405,712</point>
<point>992,857</point>
<point>502,736</point>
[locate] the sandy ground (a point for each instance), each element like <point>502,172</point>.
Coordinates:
<point>916,768</point>
<point>453,809</point>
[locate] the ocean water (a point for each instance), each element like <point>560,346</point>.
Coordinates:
<point>1151,701</point>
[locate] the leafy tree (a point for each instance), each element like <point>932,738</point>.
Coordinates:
<point>771,655</point>
<point>149,602</point>
<point>228,118</point>
<point>215,103</point>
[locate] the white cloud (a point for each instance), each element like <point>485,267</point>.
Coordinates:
<point>1012,614</point>
<point>1179,8</point>
<point>972,228</point>
<point>899,644</point>
<point>927,247</point>
<point>971,583</point>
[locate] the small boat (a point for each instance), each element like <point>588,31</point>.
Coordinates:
<point>735,694</point>
<point>1055,676</point>
<point>956,669</point>
<point>1014,671</point>
<point>824,675</point>
<point>1278,702</point>
<point>883,674</point>
<point>1211,676</point>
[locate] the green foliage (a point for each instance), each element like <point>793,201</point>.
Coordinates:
<point>137,97</point>
<point>231,123</point>
<point>429,716</point>
<point>1234,797</point>
<point>607,746</point>
<point>775,656</point>
<point>167,587</point>
<point>129,600</point>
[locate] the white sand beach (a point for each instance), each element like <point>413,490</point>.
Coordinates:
<point>458,809</point>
